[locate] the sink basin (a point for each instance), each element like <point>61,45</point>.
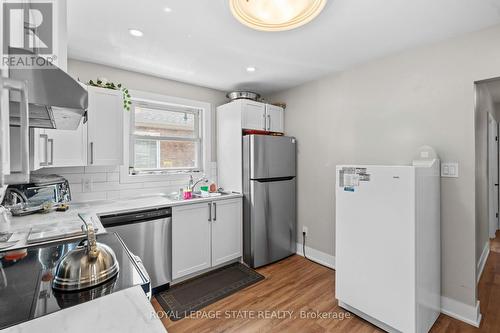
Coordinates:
<point>196,195</point>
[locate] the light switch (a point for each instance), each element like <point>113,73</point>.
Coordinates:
<point>449,170</point>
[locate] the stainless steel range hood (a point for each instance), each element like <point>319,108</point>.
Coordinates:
<point>56,100</point>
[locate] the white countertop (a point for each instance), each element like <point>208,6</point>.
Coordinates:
<point>22,225</point>
<point>125,311</point>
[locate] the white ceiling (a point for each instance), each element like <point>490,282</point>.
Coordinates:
<point>200,42</point>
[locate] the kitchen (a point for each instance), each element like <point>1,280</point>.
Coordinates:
<point>215,199</point>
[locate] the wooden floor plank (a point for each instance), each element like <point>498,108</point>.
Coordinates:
<point>298,285</point>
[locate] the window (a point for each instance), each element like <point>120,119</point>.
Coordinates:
<point>165,138</point>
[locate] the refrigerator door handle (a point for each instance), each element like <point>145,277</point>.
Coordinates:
<point>277,179</point>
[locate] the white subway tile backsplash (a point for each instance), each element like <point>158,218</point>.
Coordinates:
<point>92,169</point>
<point>113,195</point>
<point>80,197</point>
<point>115,186</point>
<point>105,183</point>
<point>97,177</point>
<point>113,176</point>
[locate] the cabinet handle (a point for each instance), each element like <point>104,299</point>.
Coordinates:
<point>45,137</point>
<point>269,122</point>
<point>265,121</point>
<point>209,212</point>
<point>91,153</point>
<point>215,212</point>
<point>51,141</point>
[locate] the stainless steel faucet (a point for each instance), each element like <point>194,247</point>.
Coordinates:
<point>192,184</point>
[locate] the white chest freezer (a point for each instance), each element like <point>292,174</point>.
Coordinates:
<point>388,257</point>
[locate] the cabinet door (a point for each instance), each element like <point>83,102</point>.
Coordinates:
<point>39,149</point>
<point>275,118</point>
<point>226,230</point>
<point>190,239</point>
<point>67,148</point>
<point>253,115</point>
<point>105,127</point>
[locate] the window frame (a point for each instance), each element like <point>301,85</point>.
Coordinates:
<point>168,175</point>
<point>169,108</point>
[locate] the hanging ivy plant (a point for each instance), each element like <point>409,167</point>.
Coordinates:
<point>127,101</point>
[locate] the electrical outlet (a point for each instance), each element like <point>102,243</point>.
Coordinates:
<point>87,184</point>
<point>304,230</point>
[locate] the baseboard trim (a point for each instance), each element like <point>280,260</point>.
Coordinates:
<point>467,313</point>
<point>482,260</point>
<point>450,307</point>
<point>319,257</point>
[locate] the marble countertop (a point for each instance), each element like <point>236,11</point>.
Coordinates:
<point>22,225</point>
<point>125,311</point>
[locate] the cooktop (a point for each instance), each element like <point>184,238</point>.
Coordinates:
<point>26,280</point>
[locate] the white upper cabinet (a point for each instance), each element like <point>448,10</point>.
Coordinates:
<point>59,148</point>
<point>253,115</point>
<point>105,126</point>
<point>99,141</point>
<point>257,115</point>
<point>275,118</point>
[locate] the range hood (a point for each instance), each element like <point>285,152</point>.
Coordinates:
<point>56,100</point>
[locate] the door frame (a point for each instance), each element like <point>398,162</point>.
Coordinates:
<point>492,164</point>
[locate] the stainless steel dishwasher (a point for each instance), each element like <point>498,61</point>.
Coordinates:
<point>148,234</point>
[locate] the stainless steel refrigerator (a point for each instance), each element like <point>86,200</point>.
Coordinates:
<point>269,188</point>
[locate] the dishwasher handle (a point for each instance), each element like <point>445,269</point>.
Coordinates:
<point>142,216</point>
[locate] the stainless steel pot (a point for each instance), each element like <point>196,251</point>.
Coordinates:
<point>87,265</point>
<point>233,95</point>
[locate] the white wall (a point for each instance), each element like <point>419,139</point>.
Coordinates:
<point>105,182</point>
<point>380,113</point>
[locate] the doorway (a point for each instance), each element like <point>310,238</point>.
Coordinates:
<point>487,119</point>
<point>493,188</point>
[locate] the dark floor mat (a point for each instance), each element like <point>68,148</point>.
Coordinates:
<point>192,295</point>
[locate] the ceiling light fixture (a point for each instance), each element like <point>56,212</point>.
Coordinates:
<point>167,10</point>
<point>136,33</point>
<point>276,15</point>
<point>251,69</point>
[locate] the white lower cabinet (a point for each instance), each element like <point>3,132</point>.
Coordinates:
<point>226,231</point>
<point>190,239</point>
<point>205,235</point>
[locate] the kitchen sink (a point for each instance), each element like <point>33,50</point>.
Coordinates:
<point>196,195</point>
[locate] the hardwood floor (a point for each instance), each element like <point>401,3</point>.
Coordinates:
<point>306,288</point>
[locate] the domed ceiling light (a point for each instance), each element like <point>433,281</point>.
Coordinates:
<point>276,15</point>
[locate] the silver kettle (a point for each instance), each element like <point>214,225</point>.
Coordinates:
<point>87,265</point>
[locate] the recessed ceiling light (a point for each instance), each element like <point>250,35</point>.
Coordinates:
<point>136,33</point>
<point>276,15</point>
<point>167,10</point>
<point>251,69</point>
